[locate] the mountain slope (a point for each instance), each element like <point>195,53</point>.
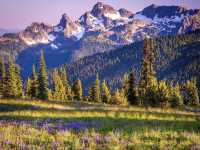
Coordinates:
<point>177,58</point>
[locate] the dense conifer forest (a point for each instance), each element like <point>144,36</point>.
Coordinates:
<point>142,85</point>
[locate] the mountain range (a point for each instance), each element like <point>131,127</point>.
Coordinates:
<point>100,30</point>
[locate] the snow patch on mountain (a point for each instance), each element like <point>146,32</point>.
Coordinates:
<point>30,42</point>
<point>54,46</point>
<point>143,18</point>
<point>79,33</point>
<point>171,19</point>
<point>58,28</point>
<point>113,16</point>
<point>51,37</point>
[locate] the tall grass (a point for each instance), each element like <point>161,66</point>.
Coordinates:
<point>26,124</point>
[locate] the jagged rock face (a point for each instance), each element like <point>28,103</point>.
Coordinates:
<point>190,23</point>
<point>86,19</point>
<point>69,28</point>
<point>166,11</point>
<point>106,22</point>
<point>101,9</point>
<point>36,33</point>
<point>123,25</point>
<point>67,25</point>
<point>125,13</point>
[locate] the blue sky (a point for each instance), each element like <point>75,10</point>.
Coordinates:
<point>17,14</point>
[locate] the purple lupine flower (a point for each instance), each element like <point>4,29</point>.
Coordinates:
<point>98,139</point>
<point>85,140</point>
<point>55,144</point>
<point>7,142</point>
<point>107,138</point>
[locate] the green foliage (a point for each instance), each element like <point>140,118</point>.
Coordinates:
<point>118,97</point>
<point>148,82</point>
<point>191,96</point>
<point>96,95</point>
<point>132,93</point>
<point>63,75</point>
<point>175,98</point>
<point>77,90</point>
<point>38,124</point>
<point>105,92</point>
<point>42,79</point>
<point>10,80</point>
<point>89,94</point>
<point>59,92</point>
<point>125,83</point>
<point>28,88</point>
<point>2,77</point>
<point>19,86</point>
<point>34,85</point>
<point>162,94</point>
<point>175,58</point>
<point>149,97</point>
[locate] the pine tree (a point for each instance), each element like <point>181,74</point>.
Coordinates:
<point>89,94</point>
<point>58,87</point>
<point>96,96</point>
<point>19,87</point>
<point>163,93</point>
<point>10,80</point>
<point>28,88</point>
<point>33,85</point>
<point>148,82</point>
<point>105,92</point>
<point>77,90</point>
<point>63,76</point>
<point>125,83</point>
<point>132,95</point>
<point>118,98</point>
<point>191,96</point>
<point>176,99</point>
<point>2,77</point>
<point>50,95</point>
<point>42,79</point>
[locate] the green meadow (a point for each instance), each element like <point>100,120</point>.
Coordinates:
<point>29,124</point>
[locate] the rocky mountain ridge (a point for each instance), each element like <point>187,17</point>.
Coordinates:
<point>101,29</point>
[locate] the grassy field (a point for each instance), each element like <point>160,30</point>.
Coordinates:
<point>83,126</point>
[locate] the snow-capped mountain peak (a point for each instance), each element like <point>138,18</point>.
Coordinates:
<point>105,25</point>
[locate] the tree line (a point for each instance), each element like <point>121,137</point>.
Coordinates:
<point>56,87</point>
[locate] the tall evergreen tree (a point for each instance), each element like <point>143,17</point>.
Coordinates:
<point>163,94</point>
<point>105,92</point>
<point>63,76</point>
<point>42,79</point>
<point>10,80</point>
<point>176,99</point>
<point>89,93</point>
<point>96,96</point>
<point>2,77</point>
<point>148,82</point>
<point>19,86</point>
<point>125,83</point>
<point>77,90</point>
<point>191,96</point>
<point>33,86</point>
<point>132,95</point>
<point>28,88</point>
<point>118,97</point>
<point>58,87</point>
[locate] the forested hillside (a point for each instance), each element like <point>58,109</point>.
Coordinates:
<point>176,57</point>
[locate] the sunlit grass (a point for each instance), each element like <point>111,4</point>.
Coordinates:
<point>32,124</point>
